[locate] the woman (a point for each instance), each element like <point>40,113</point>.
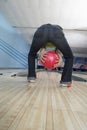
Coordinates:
<point>54,34</point>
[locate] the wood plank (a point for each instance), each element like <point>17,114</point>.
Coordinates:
<point>42,105</point>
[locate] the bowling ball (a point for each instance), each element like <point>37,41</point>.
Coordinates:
<point>50,59</point>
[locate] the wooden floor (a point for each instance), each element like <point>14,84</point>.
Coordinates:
<point>42,105</point>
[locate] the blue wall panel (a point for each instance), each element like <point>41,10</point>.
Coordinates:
<point>13,48</point>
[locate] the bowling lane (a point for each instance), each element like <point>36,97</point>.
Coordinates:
<point>42,105</point>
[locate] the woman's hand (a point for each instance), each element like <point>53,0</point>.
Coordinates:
<point>58,61</point>
<point>42,54</point>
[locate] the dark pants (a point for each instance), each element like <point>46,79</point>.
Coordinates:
<point>54,34</point>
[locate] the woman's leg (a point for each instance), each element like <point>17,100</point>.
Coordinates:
<point>61,43</point>
<point>38,42</point>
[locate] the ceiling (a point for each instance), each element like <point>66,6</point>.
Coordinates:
<point>27,15</point>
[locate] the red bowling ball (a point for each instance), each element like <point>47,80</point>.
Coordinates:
<point>50,60</point>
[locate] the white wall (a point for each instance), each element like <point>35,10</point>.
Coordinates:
<point>27,15</point>
<point>67,13</point>
<point>32,13</point>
